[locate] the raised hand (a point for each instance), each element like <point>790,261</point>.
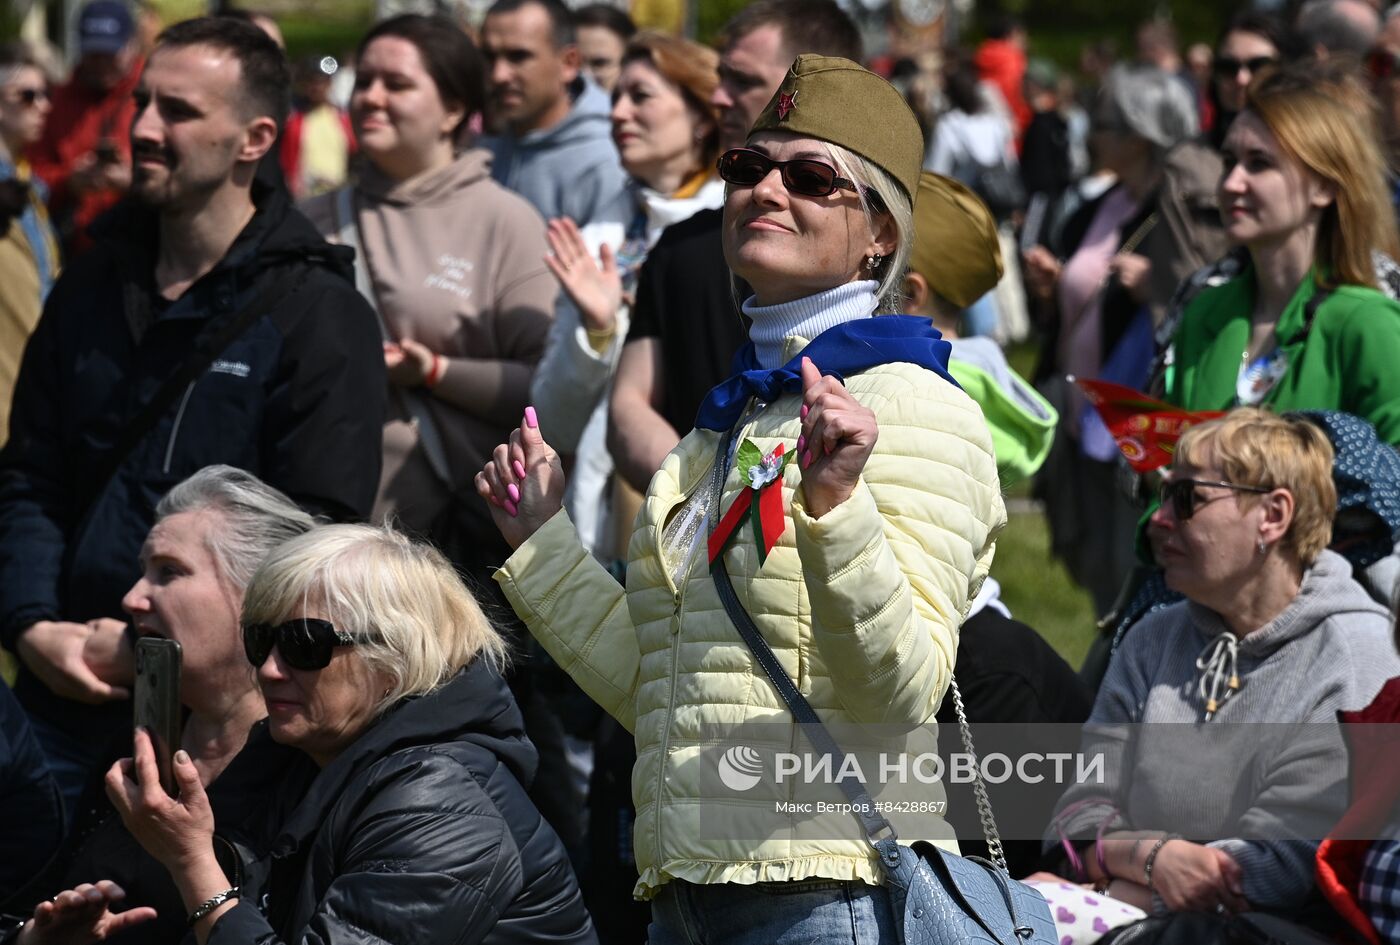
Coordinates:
<point>176,831</point>
<point>596,293</point>
<point>838,435</point>
<point>81,915</point>
<point>523,483</point>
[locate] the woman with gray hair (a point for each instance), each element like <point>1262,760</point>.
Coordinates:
<point>379,669</point>
<point>1100,292</point>
<point>210,534</point>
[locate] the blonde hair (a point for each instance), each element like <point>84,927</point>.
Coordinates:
<point>1254,447</point>
<point>401,600</point>
<point>871,177</point>
<point>1326,121</point>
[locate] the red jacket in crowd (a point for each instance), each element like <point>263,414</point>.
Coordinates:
<point>82,119</point>
<point>1375,801</point>
<point>1003,63</point>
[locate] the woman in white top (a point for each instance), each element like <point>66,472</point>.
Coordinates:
<point>667,135</point>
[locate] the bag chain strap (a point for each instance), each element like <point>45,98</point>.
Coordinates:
<point>979,786</point>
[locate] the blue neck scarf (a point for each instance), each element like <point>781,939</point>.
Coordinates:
<point>847,348</point>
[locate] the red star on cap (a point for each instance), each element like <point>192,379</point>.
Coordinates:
<point>787,101</point>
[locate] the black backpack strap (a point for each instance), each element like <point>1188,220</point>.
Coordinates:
<point>217,335</point>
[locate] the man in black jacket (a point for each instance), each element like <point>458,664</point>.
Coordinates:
<point>297,395</point>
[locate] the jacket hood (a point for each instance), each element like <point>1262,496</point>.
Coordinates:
<point>588,120</point>
<point>431,187</point>
<point>1022,422</point>
<point>1328,593</point>
<point>277,234</point>
<point>475,707</point>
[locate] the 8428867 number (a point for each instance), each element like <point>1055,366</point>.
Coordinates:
<point>911,807</point>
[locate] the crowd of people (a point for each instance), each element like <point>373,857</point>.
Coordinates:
<point>495,413</point>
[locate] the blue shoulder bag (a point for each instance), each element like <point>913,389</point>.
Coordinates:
<point>938,898</point>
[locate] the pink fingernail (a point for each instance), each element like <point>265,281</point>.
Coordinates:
<point>511,508</point>
<point>532,420</point>
<point>804,412</point>
<point>806,459</point>
<point>494,501</point>
<point>518,468</point>
<point>801,442</point>
<point>513,491</point>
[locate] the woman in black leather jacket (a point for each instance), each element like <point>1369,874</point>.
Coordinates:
<point>376,663</point>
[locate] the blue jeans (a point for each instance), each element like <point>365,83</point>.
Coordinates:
<point>807,912</point>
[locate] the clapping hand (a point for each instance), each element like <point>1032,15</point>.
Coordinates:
<point>523,483</point>
<point>596,293</point>
<point>838,435</point>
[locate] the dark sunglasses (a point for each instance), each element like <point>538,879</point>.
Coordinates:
<point>1229,67</point>
<point>305,643</point>
<point>1184,500</point>
<point>31,96</point>
<point>745,168</point>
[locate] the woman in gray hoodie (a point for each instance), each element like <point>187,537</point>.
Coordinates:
<point>452,262</point>
<point>1274,630</point>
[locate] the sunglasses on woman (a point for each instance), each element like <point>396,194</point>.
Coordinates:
<point>745,168</point>
<point>1184,500</point>
<point>305,643</point>
<point>1229,67</point>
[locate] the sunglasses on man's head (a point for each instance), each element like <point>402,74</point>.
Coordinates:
<point>1181,496</point>
<point>1228,66</point>
<point>305,643</point>
<point>745,168</point>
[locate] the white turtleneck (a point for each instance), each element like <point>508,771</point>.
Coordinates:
<point>808,316</point>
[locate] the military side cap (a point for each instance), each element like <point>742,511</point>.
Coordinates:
<point>955,241</point>
<point>836,100</point>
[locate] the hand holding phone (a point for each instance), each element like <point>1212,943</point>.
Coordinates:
<point>157,702</point>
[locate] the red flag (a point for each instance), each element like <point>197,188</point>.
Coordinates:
<point>1146,429</point>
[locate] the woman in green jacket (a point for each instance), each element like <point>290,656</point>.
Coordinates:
<point>1302,326</point>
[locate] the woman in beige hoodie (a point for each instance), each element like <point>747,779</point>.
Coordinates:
<point>451,260</point>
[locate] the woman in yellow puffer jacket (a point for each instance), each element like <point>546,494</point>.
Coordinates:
<point>870,544</point>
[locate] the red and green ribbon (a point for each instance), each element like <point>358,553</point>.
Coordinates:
<point>765,514</point>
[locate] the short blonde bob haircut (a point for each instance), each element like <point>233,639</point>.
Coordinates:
<point>400,599</point>
<point>1326,120</point>
<point>1253,447</point>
